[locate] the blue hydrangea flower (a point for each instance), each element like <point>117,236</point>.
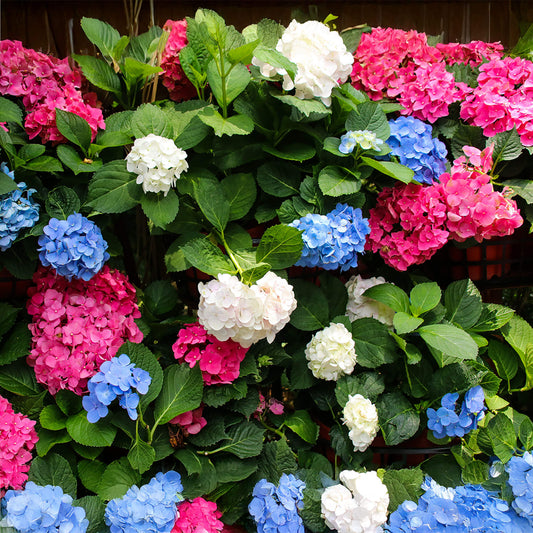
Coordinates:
<point>412,141</point>
<point>520,471</point>
<point>116,379</point>
<point>366,139</point>
<point>470,508</point>
<point>42,510</point>
<point>17,211</point>
<point>446,422</point>
<point>275,509</point>
<point>151,508</point>
<point>74,247</point>
<point>333,241</point>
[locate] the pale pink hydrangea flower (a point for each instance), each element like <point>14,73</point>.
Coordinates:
<point>219,361</point>
<point>17,438</point>
<point>198,516</point>
<point>78,325</point>
<point>191,422</point>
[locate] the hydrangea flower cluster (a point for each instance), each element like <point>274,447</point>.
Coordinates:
<point>359,306</point>
<point>46,509</point>
<point>499,101</point>
<point>191,422</point>
<point>158,163</point>
<point>116,379</point>
<point>17,211</point>
<point>219,361</point>
<point>321,57</point>
<point>198,516</point>
<point>469,508</point>
<point>472,54</point>
<point>173,77</point>
<point>411,140</point>
<point>229,309</point>
<point>331,352</point>
<point>78,325</point>
<point>520,471</point>
<point>367,140</point>
<point>445,422</point>
<point>408,224</point>
<point>361,417</point>
<point>474,208</point>
<point>45,84</point>
<point>357,505</point>
<point>74,247</point>
<point>150,509</point>
<point>275,509</point>
<point>17,439</point>
<point>333,241</point>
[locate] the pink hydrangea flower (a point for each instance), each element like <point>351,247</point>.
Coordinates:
<point>472,53</point>
<point>219,360</point>
<point>173,76</point>
<point>17,438</point>
<point>78,325</point>
<point>198,516</point>
<point>408,224</point>
<point>191,421</point>
<point>273,405</point>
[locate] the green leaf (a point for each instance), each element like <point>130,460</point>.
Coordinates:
<point>94,512</point>
<point>81,430</point>
<point>19,378</point>
<point>424,297</point>
<point>160,209</point>
<point>70,158</point>
<point>160,297</point>
<point>280,246</point>
<point>233,84</point>
<point>99,73</point>
<point>193,463</point>
<point>108,139</point>
<point>300,422</point>
<point>397,418</point>
<point>467,136</point>
<point>44,163</point>
<point>525,433</point>
<point>7,184</point>
<point>202,483</point>
<point>500,431</point>
<point>175,258</point>
<point>28,152</point>
<point>10,112</point>
<point>243,54</point>
<point>475,472</point>
<point>8,315</point>
<point>404,323</point>
<point>53,470</point>
<point>369,116</point>
<point>449,340</point>
<point>336,181</point>
<point>507,145</point>
<point>312,312</point>
<point>276,459</point>
<point>205,256</point>
<point>149,118</point>
<point>443,468</point>
<point>368,384</point>
<point>390,168</point>
<point>113,189</point>
<point>48,439</point>
<point>117,479</point>
<point>141,456</point>
<point>463,303</point>
<point>53,418</point>
<point>212,201</point>
<point>373,344</point>
<point>245,440</point>
<point>523,188</point>
<point>16,345</point>
<point>402,485</point>
<point>137,72</point>
<point>493,316</point>
<point>519,334</point>
<point>101,34</point>
<point>62,202</point>
<point>308,108</point>
<point>74,128</point>
<point>90,474</point>
<point>234,125</point>
<point>231,469</point>
<point>181,392</point>
<point>504,358</point>
<point>240,190</point>
<point>292,151</point>
<point>278,179</point>
<point>390,295</point>
<point>68,402</point>
<point>275,59</point>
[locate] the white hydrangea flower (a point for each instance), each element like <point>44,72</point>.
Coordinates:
<point>357,506</point>
<point>361,418</point>
<point>331,352</point>
<point>320,55</point>
<point>229,309</point>
<point>360,306</point>
<point>157,161</point>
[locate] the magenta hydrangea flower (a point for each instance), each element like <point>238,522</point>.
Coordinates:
<point>17,439</point>
<point>219,360</point>
<point>198,516</point>
<point>191,422</point>
<point>472,53</point>
<point>78,325</point>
